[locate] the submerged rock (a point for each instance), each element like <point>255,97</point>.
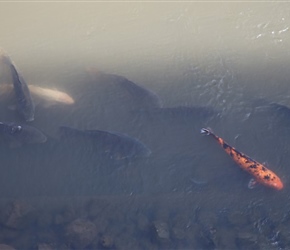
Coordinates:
<point>226,239</point>
<point>161,229</point>
<point>44,246</point>
<point>17,215</point>
<point>207,219</point>
<point>209,238</point>
<point>6,247</point>
<point>66,215</point>
<point>44,219</point>
<point>246,240</point>
<point>106,241</point>
<point>178,233</point>
<point>80,233</point>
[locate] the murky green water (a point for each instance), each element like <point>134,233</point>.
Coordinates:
<point>230,57</point>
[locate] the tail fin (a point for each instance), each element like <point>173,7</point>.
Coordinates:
<point>206,131</point>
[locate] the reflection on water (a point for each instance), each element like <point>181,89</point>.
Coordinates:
<point>218,65</point>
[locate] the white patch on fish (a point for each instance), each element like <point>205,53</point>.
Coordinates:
<point>51,95</point>
<point>48,96</point>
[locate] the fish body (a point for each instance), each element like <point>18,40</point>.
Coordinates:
<point>24,101</point>
<point>134,91</point>
<point>180,113</point>
<point>50,95</point>
<point>46,96</point>
<point>260,173</point>
<point>117,145</point>
<point>19,134</point>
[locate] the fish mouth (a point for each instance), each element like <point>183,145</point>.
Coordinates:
<point>279,186</point>
<point>70,101</point>
<point>67,100</point>
<point>30,119</point>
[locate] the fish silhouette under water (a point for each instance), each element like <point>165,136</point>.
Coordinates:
<point>146,98</point>
<point>260,173</point>
<point>25,105</point>
<point>115,144</point>
<point>45,96</point>
<point>17,135</point>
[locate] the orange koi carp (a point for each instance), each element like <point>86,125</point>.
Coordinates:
<point>260,173</point>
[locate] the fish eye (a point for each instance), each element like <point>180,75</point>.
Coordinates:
<point>15,129</point>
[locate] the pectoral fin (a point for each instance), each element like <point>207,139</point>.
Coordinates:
<point>252,184</point>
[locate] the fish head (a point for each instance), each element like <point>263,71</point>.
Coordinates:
<point>36,137</point>
<point>273,182</point>
<point>277,184</point>
<point>27,134</point>
<point>14,129</point>
<point>65,98</point>
<point>10,128</point>
<point>146,152</point>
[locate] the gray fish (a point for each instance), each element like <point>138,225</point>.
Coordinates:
<point>274,112</point>
<point>148,98</point>
<point>115,144</point>
<point>17,135</point>
<point>180,113</point>
<point>25,105</point>
<point>24,101</point>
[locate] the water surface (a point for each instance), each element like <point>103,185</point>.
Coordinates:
<point>230,57</point>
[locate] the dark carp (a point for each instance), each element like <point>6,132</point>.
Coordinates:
<point>179,113</point>
<point>141,96</point>
<point>17,135</point>
<point>115,144</point>
<point>24,102</point>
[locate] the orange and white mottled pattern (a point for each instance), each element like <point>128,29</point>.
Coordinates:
<point>261,174</point>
